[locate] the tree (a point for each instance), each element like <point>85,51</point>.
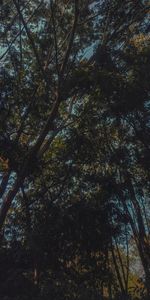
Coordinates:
<point>74,137</point>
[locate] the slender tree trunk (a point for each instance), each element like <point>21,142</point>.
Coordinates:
<point>143,239</point>
<point>127,255</point>
<point>121,263</point>
<point>4,183</point>
<point>7,202</point>
<point>117,271</point>
<point>32,245</point>
<point>139,232</point>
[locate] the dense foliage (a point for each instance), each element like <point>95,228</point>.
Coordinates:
<point>74,150</point>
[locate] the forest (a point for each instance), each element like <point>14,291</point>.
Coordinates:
<point>75,150</point>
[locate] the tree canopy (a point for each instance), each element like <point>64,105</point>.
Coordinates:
<point>74,150</point>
